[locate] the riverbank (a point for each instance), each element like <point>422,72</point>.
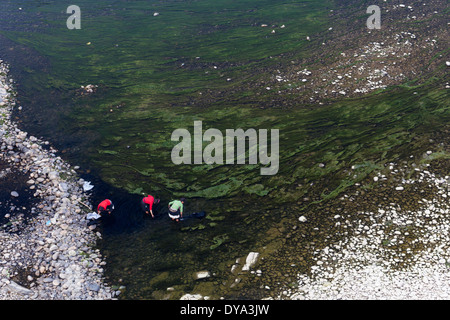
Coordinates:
<point>398,251</point>
<point>48,252</point>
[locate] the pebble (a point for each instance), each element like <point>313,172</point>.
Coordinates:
<point>93,287</point>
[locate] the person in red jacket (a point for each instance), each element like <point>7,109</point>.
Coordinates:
<point>147,204</point>
<point>105,206</point>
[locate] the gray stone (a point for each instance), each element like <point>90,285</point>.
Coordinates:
<point>93,287</point>
<point>19,289</point>
<point>53,175</point>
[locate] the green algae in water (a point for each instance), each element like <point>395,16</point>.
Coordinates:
<point>218,240</point>
<point>256,189</point>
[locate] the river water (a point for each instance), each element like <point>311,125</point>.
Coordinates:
<point>156,67</point>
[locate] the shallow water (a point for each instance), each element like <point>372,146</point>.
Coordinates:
<point>150,71</point>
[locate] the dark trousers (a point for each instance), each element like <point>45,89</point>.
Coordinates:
<point>145,206</point>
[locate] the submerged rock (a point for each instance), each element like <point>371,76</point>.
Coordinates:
<point>202,275</point>
<point>250,261</point>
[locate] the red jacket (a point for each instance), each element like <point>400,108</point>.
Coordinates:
<point>104,204</point>
<point>149,200</point>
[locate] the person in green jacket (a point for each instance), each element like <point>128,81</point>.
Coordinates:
<point>176,209</point>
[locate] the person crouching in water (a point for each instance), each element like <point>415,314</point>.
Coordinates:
<point>176,209</point>
<point>147,204</point>
<point>106,206</point>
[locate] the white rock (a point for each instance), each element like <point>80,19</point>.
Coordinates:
<point>189,296</point>
<point>250,261</point>
<point>202,275</point>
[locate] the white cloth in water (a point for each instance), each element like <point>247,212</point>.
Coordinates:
<point>93,216</point>
<point>87,186</point>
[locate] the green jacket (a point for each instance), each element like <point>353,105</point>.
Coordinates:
<point>176,204</point>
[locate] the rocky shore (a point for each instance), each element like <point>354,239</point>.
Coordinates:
<point>47,250</point>
<point>389,253</point>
